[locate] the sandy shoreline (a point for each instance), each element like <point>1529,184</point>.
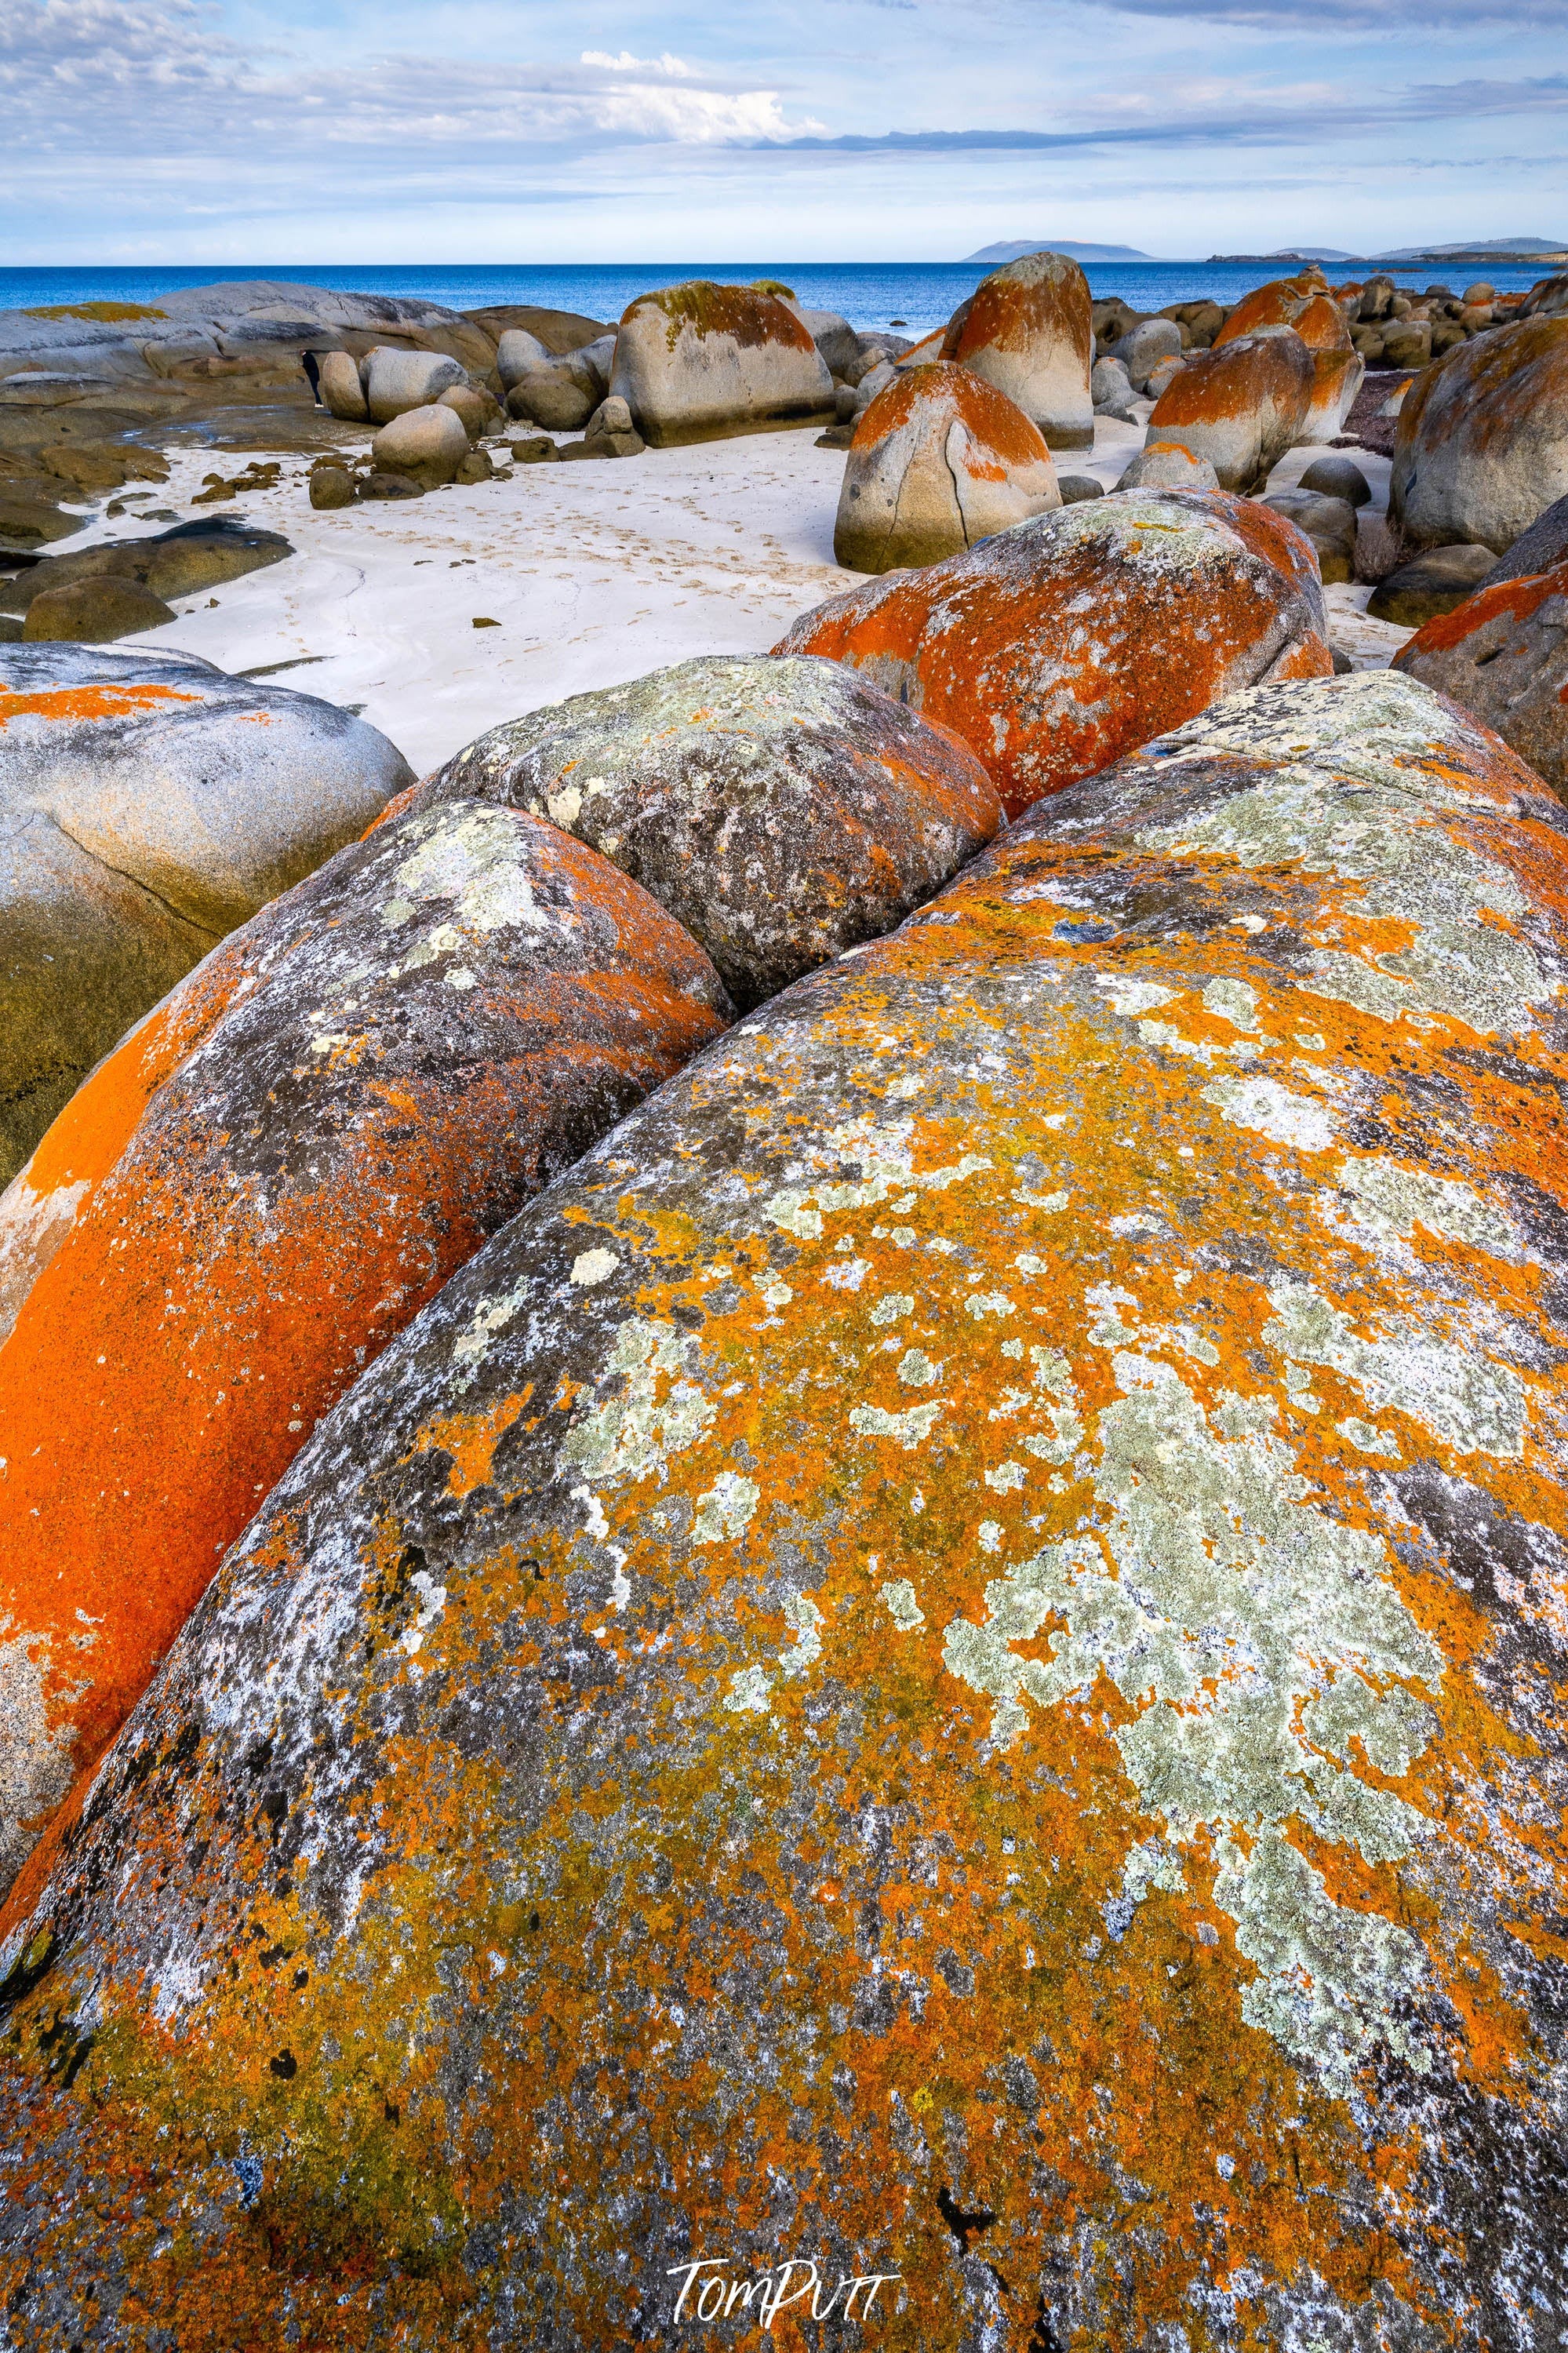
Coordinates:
<point>594,573</point>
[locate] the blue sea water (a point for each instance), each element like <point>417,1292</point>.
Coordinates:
<point>918,294</point>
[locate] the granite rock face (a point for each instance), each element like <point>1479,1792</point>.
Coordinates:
<point>1065,642</point>
<point>783,810</point>
<point>264,1185</point>
<point>148,804</point>
<point>1481,445</point>
<point>1503,655</point>
<point>1026,330</point>
<point>940,458</point>
<point>947,1658</point>
<point>700,361</point>
<point>1241,406</point>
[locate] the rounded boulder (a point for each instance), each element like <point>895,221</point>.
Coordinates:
<point>1060,645</point>
<point>428,443</point>
<point>1167,466</point>
<point>91,612</point>
<point>1503,655</point>
<point>1026,330</point>
<point>341,386</point>
<point>700,361</point>
<point>783,810</point>
<point>943,1664</point>
<point>1241,405</point>
<point>396,381</point>
<point>940,458</point>
<point>1481,445</point>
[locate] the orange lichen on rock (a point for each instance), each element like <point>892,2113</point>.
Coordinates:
<point>940,460</point>
<point>1481,446</point>
<point>72,704</point>
<point>700,361</point>
<point>998,1719</point>
<point>1241,406</point>
<point>1503,655</point>
<point>1029,328</point>
<point>258,1190</point>
<point>1065,642</point>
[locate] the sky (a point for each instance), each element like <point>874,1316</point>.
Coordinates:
<point>198,131</point>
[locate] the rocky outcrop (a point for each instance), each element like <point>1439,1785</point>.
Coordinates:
<point>1241,406</point>
<point>782,810</point>
<point>1481,446</point>
<point>940,458</point>
<point>357,1089</point>
<point>1025,329</point>
<point>1504,654</point>
<point>178,562</point>
<point>943,1663</point>
<point>700,361</point>
<point>1070,640</point>
<point>148,804</point>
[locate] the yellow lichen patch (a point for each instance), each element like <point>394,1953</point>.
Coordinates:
<point>108,314</point>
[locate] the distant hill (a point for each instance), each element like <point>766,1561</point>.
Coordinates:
<point>1022,245</point>
<point>1520,244</point>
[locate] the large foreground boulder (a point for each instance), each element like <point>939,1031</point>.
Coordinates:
<point>1481,445</point>
<point>1241,406</point>
<point>1067,641</point>
<point>700,361</point>
<point>782,810</point>
<point>148,804</point>
<point>940,458</point>
<point>944,1664</point>
<point>1026,330</point>
<point>1504,654</point>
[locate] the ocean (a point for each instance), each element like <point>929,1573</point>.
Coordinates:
<point>916,295</point>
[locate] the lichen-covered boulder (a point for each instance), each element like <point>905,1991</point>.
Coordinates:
<point>1026,329</point>
<point>940,458</point>
<point>782,810</point>
<point>1166,466</point>
<point>1279,303</point>
<point>1503,655</point>
<point>945,1664</point>
<point>1541,548</point>
<point>350,1095</point>
<point>1338,367</point>
<point>700,361</point>
<point>1241,405</point>
<point>148,804</point>
<point>1481,446</point>
<point>1067,641</point>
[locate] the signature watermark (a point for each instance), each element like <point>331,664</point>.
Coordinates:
<point>763,2295</point>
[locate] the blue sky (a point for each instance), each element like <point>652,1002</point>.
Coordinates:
<point>860,130</point>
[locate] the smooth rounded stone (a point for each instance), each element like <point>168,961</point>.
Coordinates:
<point>559,394</point>
<point>1026,330</point>
<point>1434,582</point>
<point>383,484</point>
<point>1241,406</point>
<point>1110,386</point>
<point>1162,375</point>
<point>180,561</point>
<point>26,523</point>
<point>1482,446</point>
<point>940,460</point>
<point>700,361</point>
<point>1377,297</point>
<point>516,352</point>
<point>332,486</point>
<point>1142,348</point>
<point>473,405</point>
<point>999,1539</point>
<point>1408,345</point>
<point>91,612</point>
<point>1539,549</point>
<point>835,338</point>
<point>396,381</point>
<point>148,804</point>
<point>1337,478</point>
<point>1077,487</point>
<point>475,466</point>
<point>1503,655</point>
<point>265,1183</point>
<point>1329,522</point>
<point>782,810</point>
<point>1167,466</point>
<point>599,358</point>
<point>1061,644</point>
<point>875,380</point>
<point>428,443</point>
<point>341,387</point>
<point>612,416</point>
<point>535,450</point>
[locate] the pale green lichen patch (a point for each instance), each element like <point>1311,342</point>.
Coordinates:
<point>886,1160</point>
<point>911,1427</point>
<point>1391,1199</point>
<point>1234,1001</point>
<point>726,1510</point>
<point>1272,1111</point>
<point>656,1414</point>
<point>898,1595</point>
<point>1468,1400</point>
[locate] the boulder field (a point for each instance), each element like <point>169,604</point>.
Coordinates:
<point>1057,645</point>
<point>782,809</point>
<point>149,804</point>
<point>1481,446</point>
<point>1504,654</point>
<point>945,1660</point>
<point>940,458</point>
<point>1026,329</point>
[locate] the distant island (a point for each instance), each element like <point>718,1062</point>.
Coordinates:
<point>1016,246</point>
<point>1495,250</point>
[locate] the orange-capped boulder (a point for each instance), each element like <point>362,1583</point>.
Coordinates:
<point>700,361</point>
<point>1481,446</point>
<point>943,1667</point>
<point>1278,304</point>
<point>1061,644</point>
<point>1504,656</point>
<point>1027,330</point>
<point>258,1190</point>
<point>940,458</point>
<point>1241,406</point>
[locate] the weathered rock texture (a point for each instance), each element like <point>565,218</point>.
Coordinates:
<point>148,804</point>
<point>940,458</point>
<point>351,1095</point>
<point>1504,656</point>
<point>782,810</point>
<point>1541,548</point>
<point>1481,445</point>
<point>1063,644</point>
<point>700,361</point>
<point>1026,330</point>
<point>948,1660</point>
<point>1241,406</point>
<point>179,561</point>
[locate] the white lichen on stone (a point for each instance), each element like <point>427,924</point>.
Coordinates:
<point>911,1427</point>
<point>594,1266</point>
<point>898,1595</point>
<point>1129,997</point>
<point>1464,1397</point>
<point>1234,1001</point>
<point>1391,1199</point>
<point>658,1413</point>
<point>725,1511</point>
<point>886,1159</point>
<point>893,1308</point>
<point>750,1689</point>
<point>36,1741</point>
<point>1269,1109</point>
